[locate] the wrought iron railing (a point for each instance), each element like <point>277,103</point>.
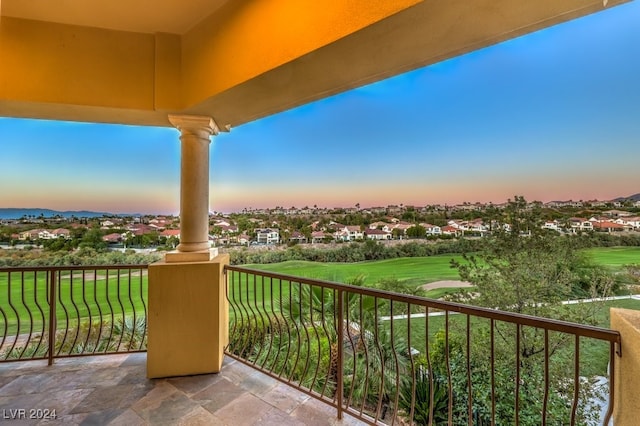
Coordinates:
<point>54,312</point>
<point>399,359</point>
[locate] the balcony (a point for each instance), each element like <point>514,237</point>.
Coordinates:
<point>61,316</point>
<point>304,351</point>
<point>113,389</point>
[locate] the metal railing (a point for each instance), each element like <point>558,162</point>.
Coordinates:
<point>55,312</point>
<point>400,359</point>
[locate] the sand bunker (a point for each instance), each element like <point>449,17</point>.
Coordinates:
<point>445,284</point>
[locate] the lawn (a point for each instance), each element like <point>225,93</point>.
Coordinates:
<point>412,271</point>
<point>594,353</point>
<point>415,271</point>
<point>24,307</point>
<point>100,297</point>
<point>614,257</point>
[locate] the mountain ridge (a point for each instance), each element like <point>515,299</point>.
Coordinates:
<point>634,197</point>
<point>19,212</point>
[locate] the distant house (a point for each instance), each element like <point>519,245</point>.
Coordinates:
<point>297,237</point>
<point>478,226</point>
<point>141,229</point>
<point>320,237</point>
<point>553,225</point>
<point>32,234</point>
<point>431,229</point>
<point>60,233</point>
<point>632,222</point>
<point>157,226</point>
<point>380,225</point>
<point>243,239</point>
<point>617,213</point>
<point>45,234</point>
<point>168,233</point>
<point>451,230</point>
<point>227,229</point>
<point>267,236</point>
<point>377,234</point>
<point>401,227</point>
<point>608,226</point>
<point>580,224</point>
<point>349,233</point>
<point>112,238</point>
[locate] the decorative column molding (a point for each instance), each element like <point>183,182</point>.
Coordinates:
<point>195,134</point>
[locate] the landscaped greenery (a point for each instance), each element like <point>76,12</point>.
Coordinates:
<point>614,257</point>
<point>97,297</point>
<point>410,272</point>
<point>416,271</point>
<point>404,274</point>
<point>521,267</point>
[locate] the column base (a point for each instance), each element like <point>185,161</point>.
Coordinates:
<point>190,256</point>
<point>188,320</point>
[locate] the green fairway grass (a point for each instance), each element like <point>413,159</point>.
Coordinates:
<point>412,271</point>
<point>593,353</point>
<point>78,302</point>
<point>24,307</point>
<point>614,257</point>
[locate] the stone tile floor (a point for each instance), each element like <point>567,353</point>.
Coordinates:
<point>114,390</point>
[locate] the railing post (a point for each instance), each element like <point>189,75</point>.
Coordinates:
<point>625,370</point>
<point>52,313</point>
<point>340,366</point>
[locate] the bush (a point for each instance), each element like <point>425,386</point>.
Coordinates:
<point>420,396</point>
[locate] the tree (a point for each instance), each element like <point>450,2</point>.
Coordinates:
<point>524,268</point>
<point>93,238</point>
<point>527,269</point>
<point>416,231</point>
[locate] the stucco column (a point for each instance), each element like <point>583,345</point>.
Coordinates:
<point>195,133</point>
<point>626,404</point>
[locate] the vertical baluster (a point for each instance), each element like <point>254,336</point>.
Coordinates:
<point>545,398</point>
<point>52,314</point>
<point>493,373</point>
<point>339,390</point>
<point>517,402</point>
<point>576,380</point>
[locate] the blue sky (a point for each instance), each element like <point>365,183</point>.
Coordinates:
<point>551,115</point>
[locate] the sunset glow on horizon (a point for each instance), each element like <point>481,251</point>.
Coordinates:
<point>554,115</point>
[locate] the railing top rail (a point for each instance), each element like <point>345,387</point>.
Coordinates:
<point>511,317</point>
<point>71,268</point>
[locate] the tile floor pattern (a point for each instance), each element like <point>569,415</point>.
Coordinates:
<point>114,390</point>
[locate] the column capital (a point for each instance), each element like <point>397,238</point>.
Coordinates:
<point>201,125</point>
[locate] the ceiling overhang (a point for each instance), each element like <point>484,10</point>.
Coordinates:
<point>235,61</point>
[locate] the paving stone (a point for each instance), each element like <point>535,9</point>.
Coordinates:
<point>275,417</point>
<point>103,398</point>
<point>193,384</point>
<point>168,410</point>
<point>285,397</point>
<point>114,390</point>
<point>258,383</point>
<point>100,418</point>
<point>128,418</point>
<point>218,395</point>
<point>245,410</point>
